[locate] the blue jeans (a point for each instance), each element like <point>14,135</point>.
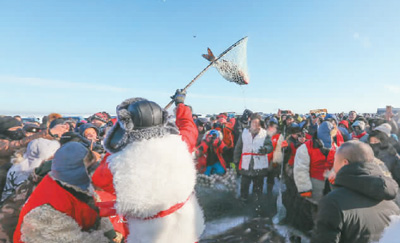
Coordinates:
<point>215,169</point>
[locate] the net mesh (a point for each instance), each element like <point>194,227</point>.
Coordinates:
<point>233,65</point>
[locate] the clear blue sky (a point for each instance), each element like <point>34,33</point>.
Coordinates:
<point>87,56</point>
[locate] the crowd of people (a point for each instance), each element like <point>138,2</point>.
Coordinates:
<point>307,152</point>
<point>341,171</point>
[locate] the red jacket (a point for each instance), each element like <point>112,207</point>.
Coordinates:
<point>274,140</point>
<point>49,192</point>
<point>102,180</point>
<point>339,138</point>
<point>218,150</point>
<point>187,127</point>
<point>102,177</point>
<point>319,163</point>
<point>293,150</point>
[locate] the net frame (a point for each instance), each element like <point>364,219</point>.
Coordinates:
<point>244,39</point>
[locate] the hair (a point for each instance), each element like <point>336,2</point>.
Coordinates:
<point>381,136</point>
<point>375,122</point>
<point>53,116</point>
<point>356,152</point>
<point>256,116</point>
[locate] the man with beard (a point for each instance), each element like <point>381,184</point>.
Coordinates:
<point>12,138</point>
<point>251,155</point>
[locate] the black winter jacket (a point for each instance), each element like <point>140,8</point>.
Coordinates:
<point>391,159</point>
<point>358,209</point>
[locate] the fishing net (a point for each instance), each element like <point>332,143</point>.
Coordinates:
<point>232,64</point>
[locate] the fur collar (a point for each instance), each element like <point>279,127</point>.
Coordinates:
<point>152,175</point>
<point>129,134</point>
<point>64,184</point>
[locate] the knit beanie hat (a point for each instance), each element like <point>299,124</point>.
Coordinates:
<point>68,165</point>
<point>294,128</point>
<point>385,128</point>
<point>30,127</point>
<point>324,134</point>
<point>101,116</point>
<point>138,119</point>
<point>7,122</point>
<point>56,122</point>
<point>345,123</point>
<point>84,127</point>
<point>273,120</point>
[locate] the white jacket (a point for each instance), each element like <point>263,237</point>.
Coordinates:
<point>251,146</point>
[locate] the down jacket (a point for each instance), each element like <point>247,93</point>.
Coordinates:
<point>359,208</point>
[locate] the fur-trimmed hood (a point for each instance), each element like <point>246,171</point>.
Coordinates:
<point>124,131</point>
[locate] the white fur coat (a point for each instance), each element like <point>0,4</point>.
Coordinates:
<point>151,176</point>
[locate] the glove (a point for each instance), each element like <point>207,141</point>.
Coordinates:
<point>262,150</point>
<point>179,96</point>
<point>306,194</point>
<point>284,144</point>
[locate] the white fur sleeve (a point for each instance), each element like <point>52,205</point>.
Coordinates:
<point>45,224</point>
<point>278,155</point>
<point>301,169</point>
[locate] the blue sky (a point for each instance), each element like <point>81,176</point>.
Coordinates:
<point>88,56</point>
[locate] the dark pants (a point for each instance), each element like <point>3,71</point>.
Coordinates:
<point>258,182</point>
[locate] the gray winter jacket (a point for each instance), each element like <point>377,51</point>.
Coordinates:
<point>358,209</point>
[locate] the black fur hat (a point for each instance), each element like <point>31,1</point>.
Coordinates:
<point>138,119</point>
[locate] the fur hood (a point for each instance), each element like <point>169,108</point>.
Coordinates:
<point>128,133</point>
<point>152,175</point>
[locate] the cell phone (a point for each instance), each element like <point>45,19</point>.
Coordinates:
<point>284,112</point>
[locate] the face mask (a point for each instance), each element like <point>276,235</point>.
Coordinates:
<point>376,148</point>
<point>15,135</point>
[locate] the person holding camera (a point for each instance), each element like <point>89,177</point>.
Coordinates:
<point>211,150</point>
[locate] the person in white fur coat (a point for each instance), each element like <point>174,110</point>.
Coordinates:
<point>154,173</point>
